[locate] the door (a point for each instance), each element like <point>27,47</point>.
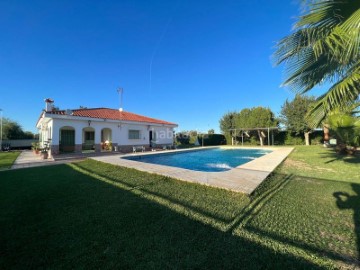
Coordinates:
<point>67,141</point>
<point>150,137</point>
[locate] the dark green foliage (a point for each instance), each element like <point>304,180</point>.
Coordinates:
<point>212,139</point>
<point>291,138</point>
<point>182,138</point>
<point>13,131</point>
<point>293,114</point>
<point>227,122</point>
<point>256,117</point>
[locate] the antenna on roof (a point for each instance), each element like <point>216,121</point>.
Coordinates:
<point>120,92</point>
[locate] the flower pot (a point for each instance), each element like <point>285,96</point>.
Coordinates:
<point>44,155</point>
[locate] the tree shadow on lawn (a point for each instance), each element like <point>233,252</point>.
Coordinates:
<point>163,188</point>
<point>346,201</point>
<point>74,220</point>
<point>246,214</point>
<point>322,234</point>
<point>331,153</point>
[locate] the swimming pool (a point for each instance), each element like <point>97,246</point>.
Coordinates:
<point>209,160</point>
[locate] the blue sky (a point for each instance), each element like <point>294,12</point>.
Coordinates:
<point>185,61</point>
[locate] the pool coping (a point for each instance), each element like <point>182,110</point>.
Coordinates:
<point>244,178</point>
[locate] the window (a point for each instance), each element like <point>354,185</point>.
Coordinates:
<point>134,134</point>
<point>89,135</point>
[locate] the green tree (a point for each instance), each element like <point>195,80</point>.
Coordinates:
<point>182,137</point>
<point>228,122</point>
<point>293,114</point>
<point>324,48</point>
<point>211,131</point>
<point>11,130</point>
<point>257,117</point>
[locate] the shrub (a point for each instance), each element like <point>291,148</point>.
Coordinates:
<point>212,139</point>
<point>182,138</point>
<point>292,139</point>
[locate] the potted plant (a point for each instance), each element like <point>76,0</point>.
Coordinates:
<point>35,146</point>
<point>45,151</point>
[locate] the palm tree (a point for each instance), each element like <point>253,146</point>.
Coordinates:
<point>324,48</point>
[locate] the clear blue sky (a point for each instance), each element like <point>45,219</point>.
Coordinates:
<point>184,61</point>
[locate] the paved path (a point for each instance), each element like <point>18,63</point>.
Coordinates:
<point>28,159</point>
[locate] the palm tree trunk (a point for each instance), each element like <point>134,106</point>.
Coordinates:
<point>261,138</point>
<point>326,133</point>
<point>307,137</point>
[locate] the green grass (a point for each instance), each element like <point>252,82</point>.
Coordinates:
<point>325,163</point>
<point>94,215</point>
<point>7,159</point>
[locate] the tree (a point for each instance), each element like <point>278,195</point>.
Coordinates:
<point>324,48</point>
<point>227,123</point>
<point>257,117</point>
<point>182,137</point>
<point>211,131</point>
<point>293,115</point>
<point>13,131</point>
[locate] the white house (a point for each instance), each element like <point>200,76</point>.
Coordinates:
<point>100,129</point>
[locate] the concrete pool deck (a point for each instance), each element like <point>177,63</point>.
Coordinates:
<point>244,178</point>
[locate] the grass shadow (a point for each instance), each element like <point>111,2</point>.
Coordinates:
<point>346,201</point>
<point>335,156</point>
<point>57,217</point>
<point>171,190</point>
<point>245,215</point>
<point>319,233</point>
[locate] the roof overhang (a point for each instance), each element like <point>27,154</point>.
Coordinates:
<point>46,117</point>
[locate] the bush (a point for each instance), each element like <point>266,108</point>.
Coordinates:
<point>317,137</point>
<point>212,139</point>
<point>182,138</point>
<point>292,139</point>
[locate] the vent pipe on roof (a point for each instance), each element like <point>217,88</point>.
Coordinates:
<point>120,92</point>
<point>49,104</point>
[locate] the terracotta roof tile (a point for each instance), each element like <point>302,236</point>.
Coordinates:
<point>105,113</point>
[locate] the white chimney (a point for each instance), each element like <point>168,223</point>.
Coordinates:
<point>49,104</point>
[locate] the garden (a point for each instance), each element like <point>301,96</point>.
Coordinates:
<point>95,215</point>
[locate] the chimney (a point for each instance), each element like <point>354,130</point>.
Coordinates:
<point>49,104</point>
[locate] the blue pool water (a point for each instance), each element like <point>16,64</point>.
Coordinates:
<point>210,160</point>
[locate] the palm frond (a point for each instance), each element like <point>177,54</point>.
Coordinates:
<point>343,95</point>
<point>325,48</point>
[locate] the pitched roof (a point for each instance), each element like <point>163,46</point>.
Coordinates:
<point>105,113</point>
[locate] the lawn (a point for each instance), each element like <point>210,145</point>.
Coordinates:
<point>94,215</point>
<point>7,159</point>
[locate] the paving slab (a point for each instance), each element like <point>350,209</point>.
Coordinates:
<point>28,159</point>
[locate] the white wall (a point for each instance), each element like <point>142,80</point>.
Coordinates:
<point>119,132</point>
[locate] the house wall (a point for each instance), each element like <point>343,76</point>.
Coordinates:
<point>115,132</point>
